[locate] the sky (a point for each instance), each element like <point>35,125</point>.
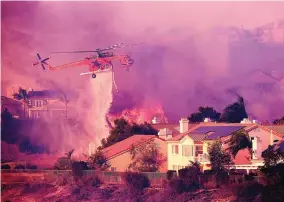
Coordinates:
<point>187,60</point>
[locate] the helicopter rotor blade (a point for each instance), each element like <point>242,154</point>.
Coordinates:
<point>113,47</point>
<point>77,52</point>
<point>45,60</point>
<point>38,56</point>
<point>43,67</point>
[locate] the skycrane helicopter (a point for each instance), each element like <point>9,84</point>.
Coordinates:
<point>98,63</point>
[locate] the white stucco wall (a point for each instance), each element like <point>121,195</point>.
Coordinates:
<point>264,139</point>
<point>179,159</point>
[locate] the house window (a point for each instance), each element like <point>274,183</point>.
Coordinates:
<point>174,167</point>
<point>175,149</point>
<point>198,150</point>
<point>38,103</point>
<point>179,167</point>
<point>187,150</point>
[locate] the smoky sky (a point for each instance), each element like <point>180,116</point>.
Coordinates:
<point>190,56</point>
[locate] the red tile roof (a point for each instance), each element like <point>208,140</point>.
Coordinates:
<point>276,129</point>
<point>126,144</point>
<point>194,136</point>
<point>173,127</point>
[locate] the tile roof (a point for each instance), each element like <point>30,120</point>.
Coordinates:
<point>195,137</point>
<point>44,94</point>
<point>276,129</point>
<point>173,127</point>
<point>166,125</point>
<point>8,101</point>
<point>126,144</point>
<point>198,137</point>
<point>177,137</point>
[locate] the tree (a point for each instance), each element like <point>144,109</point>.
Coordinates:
<point>279,121</point>
<point>98,161</point>
<point>235,112</point>
<point>21,95</point>
<point>239,140</point>
<point>9,127</point>
<point>274,154</point>
<point>204,112</point>
<point>123,130</point>
<point>146,157</point>
<point>219,159</point>
<point>65,162</point>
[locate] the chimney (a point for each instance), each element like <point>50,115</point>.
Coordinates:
<point>155,120</point>
<point>183,125</point>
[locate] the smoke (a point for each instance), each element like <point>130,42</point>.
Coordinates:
<point>190,56</point>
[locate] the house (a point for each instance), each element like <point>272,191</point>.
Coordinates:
<point>15,107</point>
<point>119,155</point>
<point>46,103</point>
<point>261,137</point>
<point>192,145</point>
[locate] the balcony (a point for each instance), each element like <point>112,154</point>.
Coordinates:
<point>203,158</point>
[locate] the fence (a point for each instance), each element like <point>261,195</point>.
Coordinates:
<point>108,177</point>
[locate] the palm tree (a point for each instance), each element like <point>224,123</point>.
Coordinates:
<point>239,140</point>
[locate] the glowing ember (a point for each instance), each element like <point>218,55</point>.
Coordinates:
<point>140,115</point>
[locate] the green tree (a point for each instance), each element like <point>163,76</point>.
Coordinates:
<point>279,121</point>
<point>235,112</point>
<point>219,158</point>
<point>238,141</point>
<point>146,157</point>
<point>98,161</point>
<point>123,130</point>
<point>204,112</point>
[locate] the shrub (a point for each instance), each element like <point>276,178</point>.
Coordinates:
<point>135,180</point>
<point>6,167</point>
<point>249,178</point>
<point>240,180</point>
<point>171,174</point>
<point>222,178</point>
<point>273,192</point>
<point>94,181</point>
<point>77,169</point>
<point>178,185</point>
<point>248,191</point>
<point>32,167</point>
<point>19,166</point>
<point>63,163</point>
<point>61,181</point>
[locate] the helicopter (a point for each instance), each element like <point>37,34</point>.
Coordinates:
<point>98,63</point>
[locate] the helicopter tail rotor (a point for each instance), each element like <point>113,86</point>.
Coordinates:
<point>41,61</point>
